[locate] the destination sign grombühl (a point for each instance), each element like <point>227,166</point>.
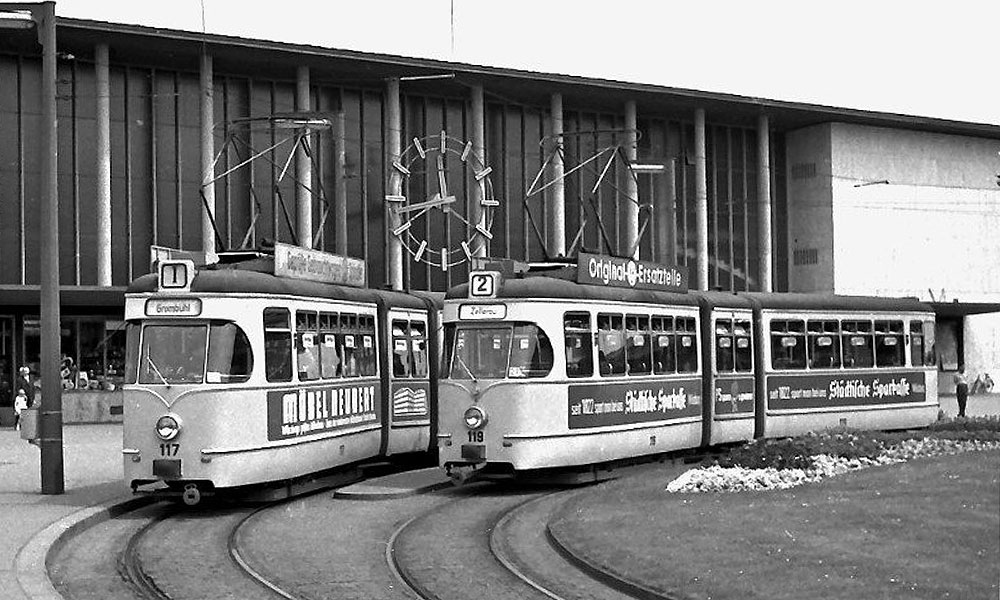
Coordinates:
<point>611,271</point>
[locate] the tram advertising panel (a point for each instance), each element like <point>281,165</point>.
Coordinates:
<point>608,404</point>
<point>294,413</point>
<point>819,391</point>
<point>734,396</point>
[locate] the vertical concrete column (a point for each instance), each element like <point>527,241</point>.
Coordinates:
<point>394,148</point>
<point>303,167</point>
<point>764,203</point>
<point>340,172</point>
<point>207,154</point>
<point>666,215</point>
<point>103,118</point>
<point>555,201</point>
<point>476,211</point>
<point>701,197</point>
<point>50,426</point>
<point>631,186</point>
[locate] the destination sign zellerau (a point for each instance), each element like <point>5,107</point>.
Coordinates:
<point>611,271</point>
<point>302,263</point>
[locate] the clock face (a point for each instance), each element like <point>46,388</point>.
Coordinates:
<point>466,202</point>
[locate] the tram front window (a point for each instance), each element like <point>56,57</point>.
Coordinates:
<point>508,351</point>
<point>176,354</point>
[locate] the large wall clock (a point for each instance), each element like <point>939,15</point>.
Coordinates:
<point>458,198</point>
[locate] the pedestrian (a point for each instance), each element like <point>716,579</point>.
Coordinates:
<point>23,382</point>
<point>20,405</point>
<point>961,390</point>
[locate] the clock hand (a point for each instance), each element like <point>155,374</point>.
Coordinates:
<point>437,200</point>
<point>442,183</point>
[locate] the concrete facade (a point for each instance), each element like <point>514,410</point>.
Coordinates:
<point>894,212</point>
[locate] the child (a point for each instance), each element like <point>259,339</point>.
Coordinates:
<point>20,405</point>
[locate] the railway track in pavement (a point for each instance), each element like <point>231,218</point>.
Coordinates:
<point>480,540</point>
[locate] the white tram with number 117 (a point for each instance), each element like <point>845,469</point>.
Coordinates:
<point>243,373</point>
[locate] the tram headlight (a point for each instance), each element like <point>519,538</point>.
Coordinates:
<point>475,417</point>
<point>168,427</point>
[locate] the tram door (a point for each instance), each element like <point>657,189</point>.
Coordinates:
<point>409,375</point>
<point>7,370</point>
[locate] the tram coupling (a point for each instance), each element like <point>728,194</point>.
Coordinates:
<point>461,474</point>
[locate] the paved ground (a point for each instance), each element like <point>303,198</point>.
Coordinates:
<point>31,522</point>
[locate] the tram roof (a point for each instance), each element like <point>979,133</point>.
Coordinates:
<point>243,281</point>
<point>564,289</point>
<point>818,301</point>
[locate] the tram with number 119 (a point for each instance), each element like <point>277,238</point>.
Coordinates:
<point>272,369</point>
<point>583,367</point>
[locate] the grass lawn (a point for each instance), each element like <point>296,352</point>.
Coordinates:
<point>928,528</point>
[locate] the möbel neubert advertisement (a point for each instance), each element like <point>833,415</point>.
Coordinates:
<point>818,391</point>
<point>295,413</point>
<point>604,405</point>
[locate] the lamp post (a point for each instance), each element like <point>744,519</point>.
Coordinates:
<point>43,17</point>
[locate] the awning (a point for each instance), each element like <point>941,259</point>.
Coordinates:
<point>961,309</point>
<point>69,295</point>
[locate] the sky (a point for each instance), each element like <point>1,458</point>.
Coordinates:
<point>916,58</point>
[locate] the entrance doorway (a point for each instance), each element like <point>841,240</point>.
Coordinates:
<point>7,370</point>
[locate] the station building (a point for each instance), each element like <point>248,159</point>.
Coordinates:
<point>179,141</point>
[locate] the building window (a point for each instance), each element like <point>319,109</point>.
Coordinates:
<point>92,352</point>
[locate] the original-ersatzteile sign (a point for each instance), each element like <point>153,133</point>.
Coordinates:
<point>613,271</point>
<point>302,263</point>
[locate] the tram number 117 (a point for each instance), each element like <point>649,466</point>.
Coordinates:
<point>169,449</point>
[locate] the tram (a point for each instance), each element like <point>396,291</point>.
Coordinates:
<point>583,367</point>
<point>257,370</point>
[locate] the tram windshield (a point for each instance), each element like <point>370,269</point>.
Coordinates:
<point>516,350</point>
<point>215,352</point>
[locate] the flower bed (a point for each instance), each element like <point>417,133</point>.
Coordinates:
<point>785,463</point>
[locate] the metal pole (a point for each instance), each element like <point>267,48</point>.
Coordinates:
<point>555,215</point>
<point>207,155</point>
<point>701,197</point>
<point>764,202</point>
<point>665,215</point>
<point>340,197</point>
<point>303,167</point>
<point>50,439</point>
<point>101,73</point>
<point>631,186</point>
<point>479,147</point>
<point>394,146</point>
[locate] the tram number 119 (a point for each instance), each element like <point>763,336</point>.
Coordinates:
<point>476,436</point>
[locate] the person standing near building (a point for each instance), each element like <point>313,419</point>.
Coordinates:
<point>961,390</point>
<point>23,382</point>
<point>20,405</point>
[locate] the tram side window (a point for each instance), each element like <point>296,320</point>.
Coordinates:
<point>277,344</point>
<point>611,344</point>
<point>788,348</point>
<point>930,359</point>
<point>744,346</point>
<point>348,343</point>
<point>857,344</point>
<point>579,345</point>
<point>418,348</point>
<point>230,356</point>
<point>686,340</point>
<point>637,353</point>
<point>306,344</point>
<point>725,358</point>
<point>917,349</point>
<point>401,363</point>
<point>329,360</point>
<point>889,350</point>
<point>824,344</point>
<point>367,357</point>
<point>530,352</point>
<point>664,359</point>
